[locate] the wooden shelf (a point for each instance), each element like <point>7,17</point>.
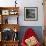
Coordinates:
<point>10,43</point>
<point>9,9</point>
<point>10,26</point>
<point>4,13</point>
<point>3,8</point>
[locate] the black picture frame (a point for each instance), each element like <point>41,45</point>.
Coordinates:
<point>30,13</point>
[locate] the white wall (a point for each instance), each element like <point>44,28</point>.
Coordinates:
<point>32,3</point>
<point>26,3</point>
<point>6,3</point>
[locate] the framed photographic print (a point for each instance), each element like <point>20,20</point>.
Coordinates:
<point>30,13</point>
<point>5,12</point>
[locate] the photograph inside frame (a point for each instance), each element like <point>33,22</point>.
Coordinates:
<point>31,13</point>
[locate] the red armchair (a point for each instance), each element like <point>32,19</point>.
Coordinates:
<point>28,34</point>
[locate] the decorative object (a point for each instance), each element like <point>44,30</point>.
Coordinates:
<point>31,41</point>
<point>13,12</point>
<point>30,38</point>
<point>15,3</point>
<point>31,13</point>
<point>5,12</point>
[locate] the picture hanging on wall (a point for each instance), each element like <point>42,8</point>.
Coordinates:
<point>30,13</point>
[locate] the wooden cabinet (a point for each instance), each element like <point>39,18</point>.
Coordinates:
<point>7,26</point>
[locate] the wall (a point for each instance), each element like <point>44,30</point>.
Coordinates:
<point>45,22</point>
<point>6,3</point>
<point>26,3</point>
<point>32,3</point>
<point>45,12</point>
<point>36,29</point>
